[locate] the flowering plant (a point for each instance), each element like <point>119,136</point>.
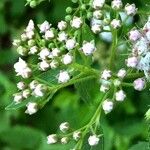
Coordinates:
<point>53,58</point>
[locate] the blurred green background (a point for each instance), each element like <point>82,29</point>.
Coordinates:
<point>124,127</point>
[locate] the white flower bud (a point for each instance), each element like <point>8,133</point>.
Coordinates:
<point>76,22</point>
<point>16,42</point>
<point>97,4</point>
<point>130,9</point>
<point>32,108</point>
<point>139,84</point>
<point>23,37</point>
<point>76,135</point>
<point>107,106</point>
<point>31,43</point>
<point>96,28</point>
<point>26,93</point>
<point>104,88</point>
<point>63,77</point>
<point>117,82</point>
<point>18,97</point>
<point>97,14</point>
<point>70,44</point>
<point>64,140</point>
<point>39,90</point>
<point>116,4</point>
<point>120,95</point>
<point>115,23</point>
<point>132,62</point>
<point>62,25</point>
<point>21,85</point>
<point>67,59</point>
<point>30,26</point>
<point>52,139</point>
<point>22,51</point>
<point>121,73</point>
<point>33,84</point>
<point>44,53</point>
<point>62,36</point>
<point>30,34</point>
<point>88,47</point>
<point>44,26</point>
<point>93,140</point>
<point>44,65</point>
<point>64,127</point>
<point>54,64</point>
<point>106,74</point>
<point>33,50</point>
<point>55,52</point>
<point>134,35</point>
<point>49,34</point>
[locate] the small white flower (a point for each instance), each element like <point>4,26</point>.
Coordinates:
<point>120,95</point>
<point>33,84</point>
<point>106,74</point>
<point>33,50</point>
<point>97,14</point>
<point>24,37</point>
<point>30,34</point>
<point>32,108</point>
<point>96,28</point>
<point>62,25</point>
<point>76,22</point>
<point>44,65</point>
<point>70,44</point>
<point>67,59</point>
<point>97,4</point>
<point>44,26</point>
<point>64,127</point>
<point>115,23</point>
<point>132,62</point>
<point>55,52</point>
<point>93,140</point>
<point>21,85</point>
<point>139,84</point>
<point>52,139</point>
<point>121,73</point>
<point>54,64</point>
<point>107,106</point>
<point>62,36</point>
<point>49,34</point>
<point>30,26</point>
<point>88,47</point>
<point>130,9</point>
<point>134,35</point>
<point>26,93</point>
<point>64,140</point>
<point>39,90</point>
<point>22,51</point>
<point>18,97</point>
<point>76,135</point>
<point>44,53</point>
<point>16,42</point>
<point>117,82</point>
<point>104,88</point>
<point>116,4</point>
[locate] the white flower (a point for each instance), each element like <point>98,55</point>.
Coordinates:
<point>117,82</point>
<point>67,59</point>
<point>76,22</point>
<point>70,44</point>
<point>24,37</point>
<point>33,50</point>
<point>49,34</point>
<point>39,90</point>
<point>64,127</point>
<point>30,26</point>
<point>64,140</point>
<point>30,34</point>
<point>21,68</point>
<point>139,84</point>
<point>21,85</point>
<point>96,28</point>
<point>115,23</point>
<point>44,65</point>
<point>120,95</point>
<point>132,62</point>
<point>32,108</point>
<point>33,84</point>
<point>148,35</point>
<point>76,135</point>
<point>107,106</point>
<point>130,9</point>
<point>104,88</point>
<point>134,35</point>
<point>116,4</point>
<point>106,74</point>
<point>18,97</point>
<point>98,4</point>
<point>16,42</point>
<point>51,139</point>
<point>55,52</point>
<point>44,53</point>
<point>62,36</point>
<point>93,140</point>
<point>54,64</point>
<point>22,50</point>
<point>121,73</point>
<point>97,14</point>
<point>26,93</point>
<point>44,26</point>
<point>88,47</point>
<point>62,25</point>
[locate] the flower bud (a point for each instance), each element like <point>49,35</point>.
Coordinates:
<point>52,139</point>
<point>120,95</point>
<point>26,93</point>
<point>63,77</point>
<point>18,97</point>
<point>32,108</point>
<point>76,22</point>
<point>62,25</point>
<point>64,127</point>
<point>121,73</point>
<point>93,140</point>
<point>139,84</point>
<point>21,85</point>
<point>76,135</point>
<point>115,23</point>
<point>106,74</point>
<point>64,140</point>
<point>67,59</point>
<point>107,106</point>
<point>130,9</point>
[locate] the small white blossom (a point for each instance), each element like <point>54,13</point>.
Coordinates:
<point>33,84</point>
<point>134,35</point>
<point>44,65</point>
<point>26,93</point>
<point>104,88</point>
<point>24,37</point>
<point>62,25</point>
<point>30,26</point>
<point>54,64</point>
<point>62,36</point>
<point>64,127</point>
<point>76,22</point>
<point>106,74</point>
<point>33,50</point>
<point>88,47</point>
<point>115,23</point>
<point>76,135</point>
<point>21,85</point>
<point>49,34</point>
<point>97,4</point>
<point>132,62</point>
<point>32,108</point>
<point>44,26</point>
<point>130,9</point>
<point>18,97</point>
<point>107,106</point>
<point>52,139</point>
<point>121,73</point>
<point>44,53</point>
<point>22,51</point>
<point>30,34</point>
<point>64,140</point>
<point>116,4</point>
<point>16,42</point>
<point>139,84</point>
<point>55,52</point>
<point>96,28</point>
<point>97,14</point>
<point>67,59</point>
<point>39,90</point>
<point>120,95</point>
<point>93,140</point>
<point>70,44</point>
<point>117,82</point>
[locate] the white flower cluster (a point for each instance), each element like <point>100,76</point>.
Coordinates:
<point>140,56</point>
<point>102,20</point>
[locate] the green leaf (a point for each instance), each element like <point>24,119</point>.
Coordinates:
<point>140,146</point>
